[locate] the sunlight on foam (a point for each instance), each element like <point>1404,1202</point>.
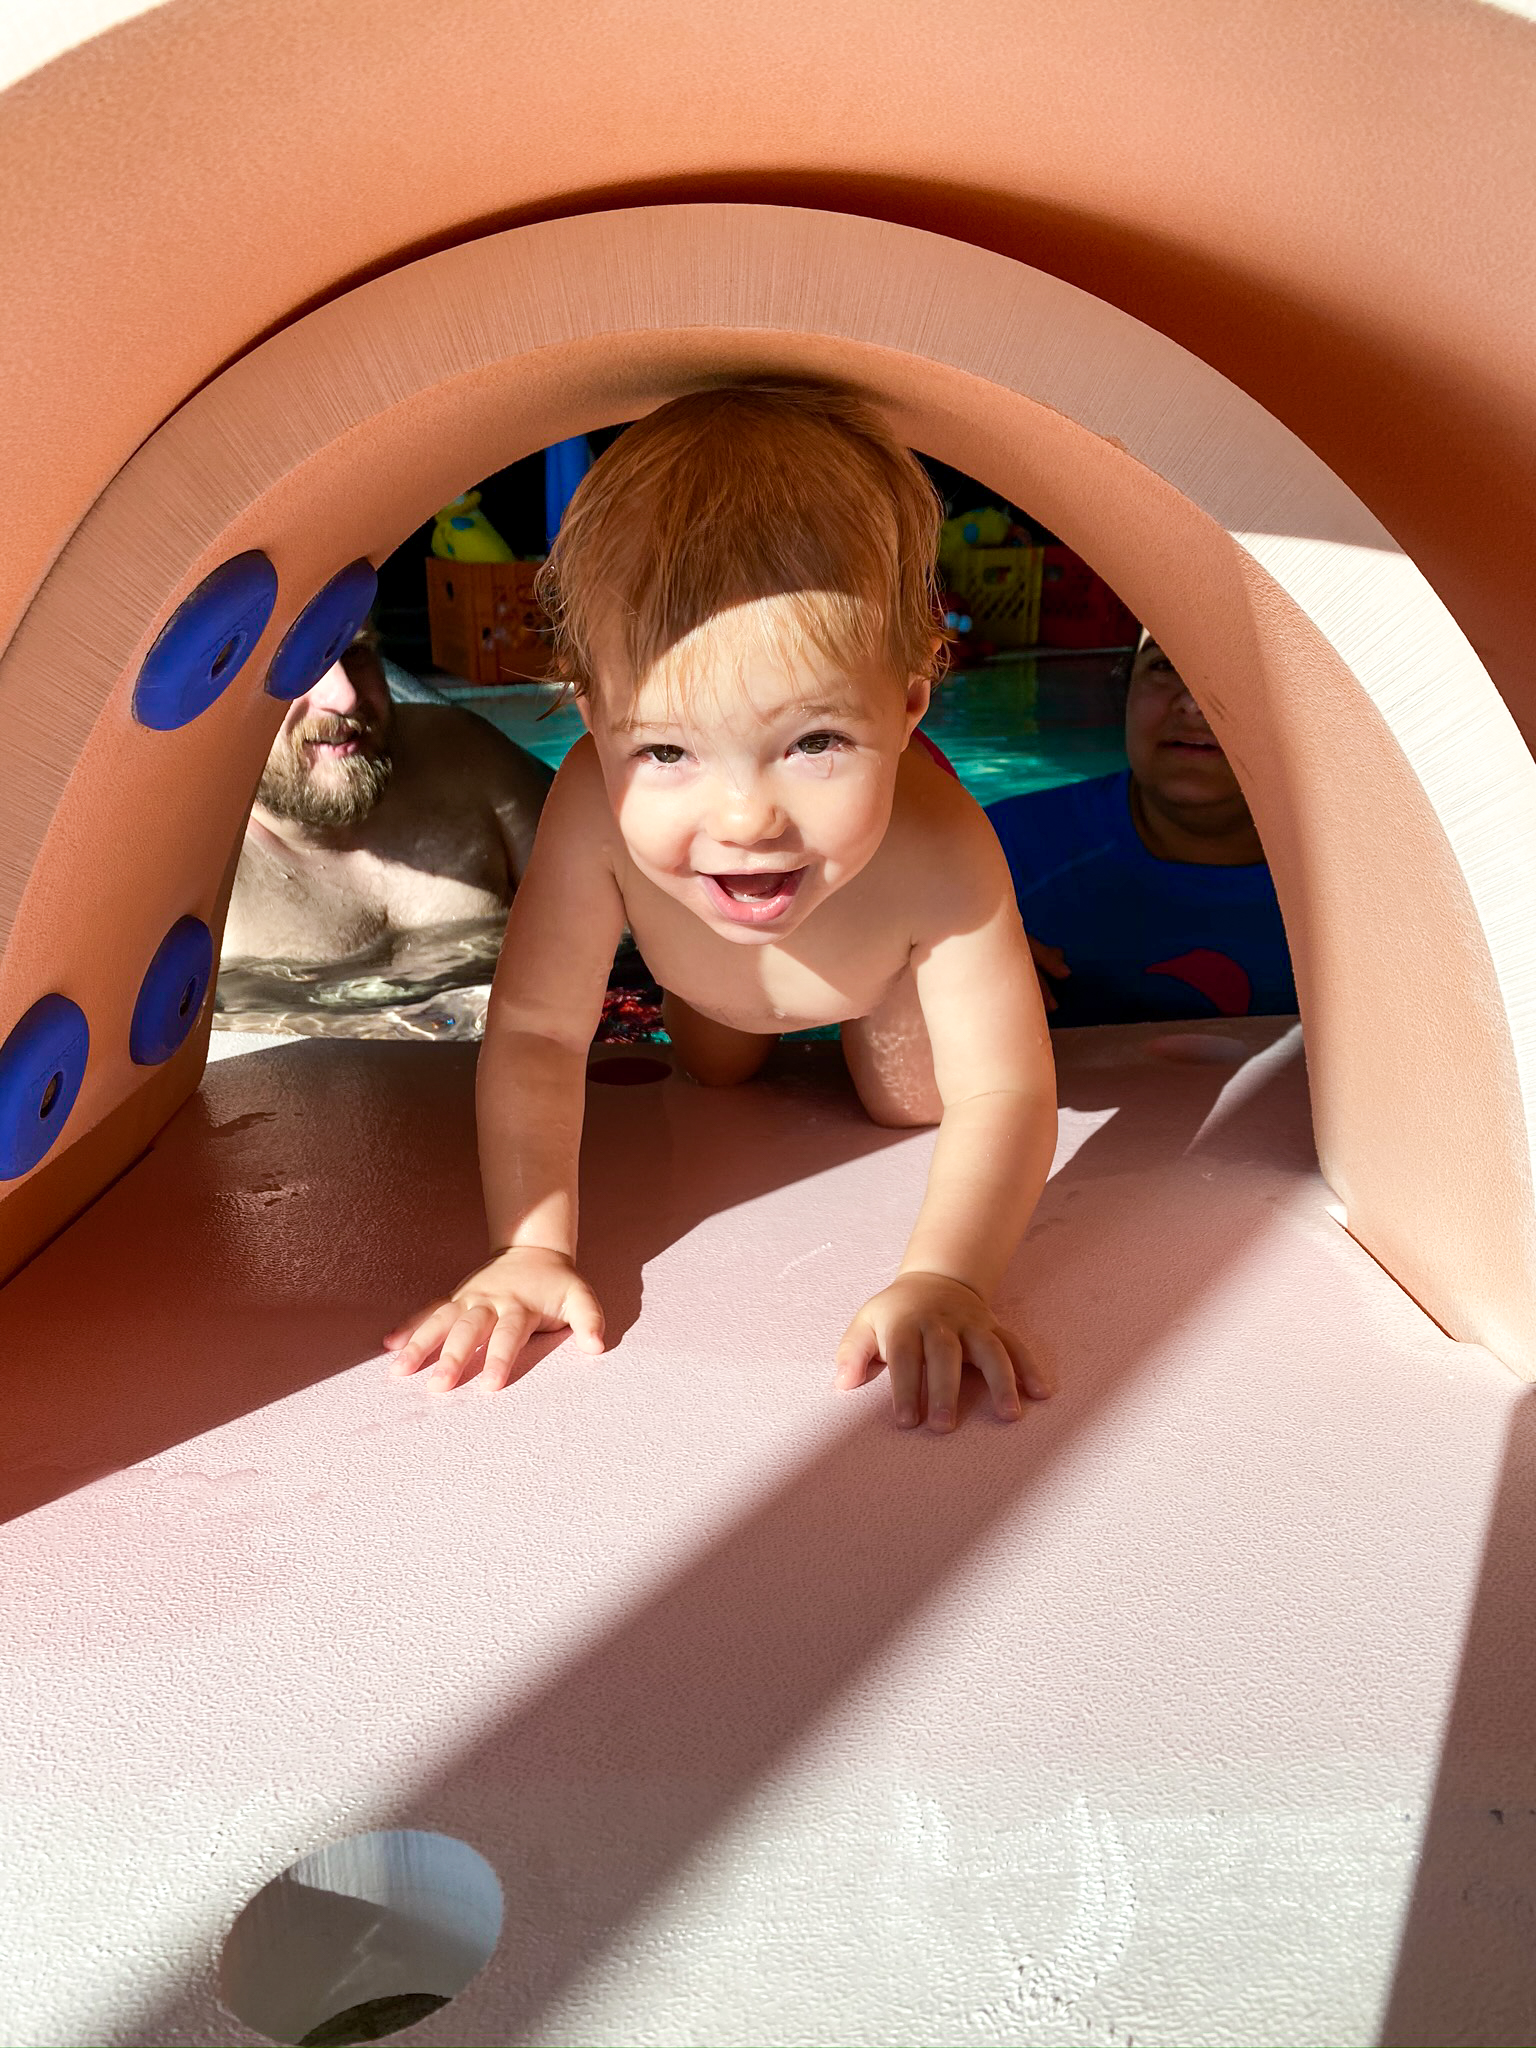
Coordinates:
<point>1250,1079</point>
<point>1073,1130</point>
<point>233,1045</point>
<point>37,31</point>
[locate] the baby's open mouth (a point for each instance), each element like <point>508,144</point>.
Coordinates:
<point>753,896</point>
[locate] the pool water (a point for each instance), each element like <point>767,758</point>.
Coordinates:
<point>1005,727</point>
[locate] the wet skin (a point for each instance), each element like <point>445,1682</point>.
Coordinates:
<point>442,843</point>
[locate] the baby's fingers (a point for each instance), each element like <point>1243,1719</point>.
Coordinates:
<point>941,1348</point>
<point>511,1334</point>
<point>992,1359</point>
<point>584,1316</point>
<point>1037,1380</point>
<point>859,1350</point>
<point>429,1330</point>
<point>904,1363</point>
<point>461,1344</point>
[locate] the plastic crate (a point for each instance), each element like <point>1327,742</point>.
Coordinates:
<point>1078,608</point>
<point>485,622</point>
<point>999,589</point>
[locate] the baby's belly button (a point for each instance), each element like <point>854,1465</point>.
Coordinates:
<point>766,1024</point>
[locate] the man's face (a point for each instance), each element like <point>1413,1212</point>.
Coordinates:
<point>1172,751</point>
<point>330,762</point>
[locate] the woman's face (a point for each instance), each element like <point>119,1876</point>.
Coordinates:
<point>1172,751</point>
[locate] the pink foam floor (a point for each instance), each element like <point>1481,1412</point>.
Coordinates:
<point>1196,1707</point>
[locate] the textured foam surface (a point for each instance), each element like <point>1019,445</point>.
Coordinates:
<point>776,1725</point>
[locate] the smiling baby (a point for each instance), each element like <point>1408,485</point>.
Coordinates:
<point>744,604</point>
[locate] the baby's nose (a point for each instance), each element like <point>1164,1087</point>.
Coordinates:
<point>746,813</point>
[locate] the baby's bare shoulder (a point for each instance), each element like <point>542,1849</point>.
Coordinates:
<point>578,788</point>
<point>944,854</point>
<point>576,818</point>
<point>935,814</point>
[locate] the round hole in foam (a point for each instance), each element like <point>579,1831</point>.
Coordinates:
<point>628,1070</point>
<point>361,1939</point>
<point>228,654</point>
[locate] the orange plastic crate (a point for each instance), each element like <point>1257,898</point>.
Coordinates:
<point>486,624</point>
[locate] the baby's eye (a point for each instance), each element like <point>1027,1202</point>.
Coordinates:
<point>663,755</point>
<point>820,743</point>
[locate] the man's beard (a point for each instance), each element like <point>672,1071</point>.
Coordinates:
<point>290,787</point>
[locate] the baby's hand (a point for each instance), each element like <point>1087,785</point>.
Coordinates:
<point>500,1306</point>
<point>922,1327</point>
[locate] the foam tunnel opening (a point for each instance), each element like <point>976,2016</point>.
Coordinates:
<point>1030,696</point>
<point>1366,732</point>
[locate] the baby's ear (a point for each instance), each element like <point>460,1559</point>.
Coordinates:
<point>919,690</point>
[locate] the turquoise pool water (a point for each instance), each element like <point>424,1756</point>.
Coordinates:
<point>1002,726</point>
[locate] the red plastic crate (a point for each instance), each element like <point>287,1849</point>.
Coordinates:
<point>1078,608</point>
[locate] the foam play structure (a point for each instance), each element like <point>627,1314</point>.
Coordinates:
<point>1237,301</point>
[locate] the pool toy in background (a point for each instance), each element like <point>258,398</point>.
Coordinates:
<point>991,576</point>
<point>464,534</point>
<point>986,527</point>
<point>486,624</point>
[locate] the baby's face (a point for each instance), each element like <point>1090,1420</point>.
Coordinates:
<point>759,793</point>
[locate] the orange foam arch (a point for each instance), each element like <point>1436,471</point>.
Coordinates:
<point>1391,786</point>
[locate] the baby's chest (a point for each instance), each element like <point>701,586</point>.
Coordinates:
<point>824,977</point>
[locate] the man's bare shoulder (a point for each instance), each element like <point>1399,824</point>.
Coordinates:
<point>434,739</point>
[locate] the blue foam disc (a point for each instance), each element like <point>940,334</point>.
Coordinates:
<point>42,1064</point>
<point>205,643</point>
<point>322,632</point>
<point>171,994</point>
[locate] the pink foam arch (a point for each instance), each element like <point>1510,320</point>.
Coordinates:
<point>1394,794</point>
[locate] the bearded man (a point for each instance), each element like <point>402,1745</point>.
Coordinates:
<point>377,823</point>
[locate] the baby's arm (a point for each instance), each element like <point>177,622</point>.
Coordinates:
<point>545,1002</point>
<point>980,1000</point>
